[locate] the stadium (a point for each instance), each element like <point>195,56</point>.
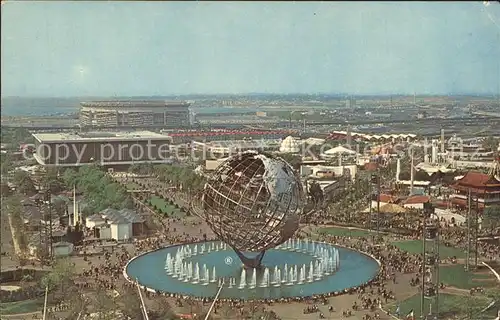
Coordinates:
<point>134,114</point>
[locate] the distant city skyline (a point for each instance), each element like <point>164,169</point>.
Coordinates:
<point>78,49</point>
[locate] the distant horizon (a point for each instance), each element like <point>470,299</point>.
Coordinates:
<point>334,95</point>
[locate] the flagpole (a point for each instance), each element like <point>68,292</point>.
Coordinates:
<point>215,300</point>
<point>469,216</point>
<point>45,302</point>
<point>422,300</point>
<point>143,305</point>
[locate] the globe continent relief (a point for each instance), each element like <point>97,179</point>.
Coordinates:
<point>253,201</point>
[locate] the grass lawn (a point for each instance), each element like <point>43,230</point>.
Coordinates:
<point>26,306</point>
<point>448,304</point>
<point>344,232</point>
<point>457,277</point>
<point>165,207</point>
<point>415,247</point>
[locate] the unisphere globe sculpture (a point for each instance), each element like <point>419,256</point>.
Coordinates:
<point>253,202</point>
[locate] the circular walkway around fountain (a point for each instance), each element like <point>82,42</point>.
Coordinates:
<point>154,272</point>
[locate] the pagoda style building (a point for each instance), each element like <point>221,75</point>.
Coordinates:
<point>484,189</point>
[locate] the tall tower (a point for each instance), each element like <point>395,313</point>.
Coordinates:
<point>48,227</point>
<point>412,173</point>
<point>398,169</point>
<point>350,102</point>
<point>442,142</point>
<point>430,267</point>
<point>426,151</point>
<point>498,72</point>
<point>414,98</point>
<point>75,209</point>
<point>192,118</point>
<point>472,232</point>
<point>495,169</point>
<point>434,152</point>
<point>349,136</point>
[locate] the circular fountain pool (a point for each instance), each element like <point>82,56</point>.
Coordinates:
<point>294,269</point>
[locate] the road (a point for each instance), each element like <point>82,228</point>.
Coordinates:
<point>63,125</point>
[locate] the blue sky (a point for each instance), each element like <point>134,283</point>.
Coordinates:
<point>163,48</point>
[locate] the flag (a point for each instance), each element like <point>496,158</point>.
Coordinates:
<point>410,315</point>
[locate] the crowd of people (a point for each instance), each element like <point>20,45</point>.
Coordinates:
<point>369,297</point>
<point>106,271</point>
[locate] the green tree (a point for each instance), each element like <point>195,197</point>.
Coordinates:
<point>16,136</point>
<point>24,183</point>
<point>5,190</point>
<point>6,163</point>
<point>78,305</point>
<point>60,279</point>
<point>142,168</point>
<point>180,177</point>
<point>130,303</point>
<point>12,205</point>
<point>100,191</point>
<point>145,168</point>
<point>70,178</point>
<point>103,305</point>
<point>53,181</point>
<point>134,168</point>
<point>491,143</point>
<point>60,205</point>
<point>491,217</point>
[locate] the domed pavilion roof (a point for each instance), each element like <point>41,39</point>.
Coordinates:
<point>289,145</point>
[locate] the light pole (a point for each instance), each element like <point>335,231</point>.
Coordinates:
<point>472,232</point>
<point>430,264</point>
<point>48,235</point>
<point>375,180</point>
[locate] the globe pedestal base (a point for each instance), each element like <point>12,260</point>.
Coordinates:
<point>251,263</point>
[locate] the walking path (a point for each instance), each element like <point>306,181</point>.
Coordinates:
<point>400,288</point>
<point>492,270</point>
<point>23,316</point>
<point>455,291</point>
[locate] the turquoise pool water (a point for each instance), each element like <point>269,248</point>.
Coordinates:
<point>354,269</point>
